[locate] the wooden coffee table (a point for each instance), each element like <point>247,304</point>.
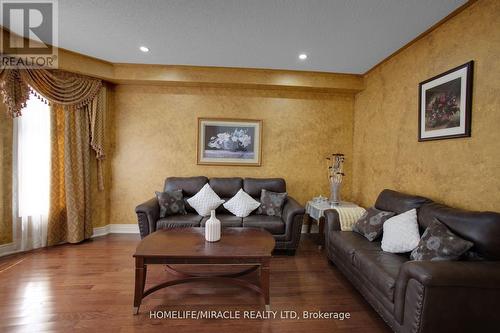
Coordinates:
<point>238,246</point>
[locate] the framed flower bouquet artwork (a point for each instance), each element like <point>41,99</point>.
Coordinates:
<point>229,141</point>
<point>445,103</point>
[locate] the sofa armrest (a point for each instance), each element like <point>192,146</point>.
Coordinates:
<point>291,209</point>
<point>332,220</point>
<point>293,214</point>
<point>147,215</point>
<point>433,294</point>
<point>470,274</point>
<point>332,223</point>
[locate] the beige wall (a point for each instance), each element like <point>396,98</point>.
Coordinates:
<point>460,172</point>
<point>155,137</point>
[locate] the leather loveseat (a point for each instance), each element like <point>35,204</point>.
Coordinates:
<point>285,229</point>
<point>425,296</point>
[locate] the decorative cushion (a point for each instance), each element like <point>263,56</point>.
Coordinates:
<point>439,243</point>
<point>271,203</point>
<point>401,233</point>
<point>241,204</point>
<point>171,203</point>
<point>370,224</point>
<point>205,201</point>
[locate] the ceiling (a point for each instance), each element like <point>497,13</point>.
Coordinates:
<point>345,36</point>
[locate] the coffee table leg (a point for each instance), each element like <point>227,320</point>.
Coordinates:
<point>140,281</point>
<point>264,281</point>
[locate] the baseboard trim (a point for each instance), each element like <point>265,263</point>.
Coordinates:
<point>116,229</point>
<point>6,249</point>
<point>134,229</point>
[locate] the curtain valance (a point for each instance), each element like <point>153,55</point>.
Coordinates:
<point>54,86</point>
<point>63,89</point>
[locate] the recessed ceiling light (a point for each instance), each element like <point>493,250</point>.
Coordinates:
<point>302,56</point>
<point>144,49</point>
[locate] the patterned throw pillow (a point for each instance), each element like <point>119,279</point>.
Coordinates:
<point>171,203</point>
<point>241,204</point>
<point>370,224</point>
<point>271,203</point>
<point>205,201</point>
<point>439,243</point>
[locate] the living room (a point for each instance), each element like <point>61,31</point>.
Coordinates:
<point>321,166</point>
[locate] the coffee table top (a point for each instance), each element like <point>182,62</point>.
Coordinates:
<point>190,243</point>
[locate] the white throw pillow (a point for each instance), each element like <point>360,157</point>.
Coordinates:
<point>205,201</point>
<point>401,233</point>
<point>241,204</point>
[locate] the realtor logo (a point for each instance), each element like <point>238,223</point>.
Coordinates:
<point>30,33</point>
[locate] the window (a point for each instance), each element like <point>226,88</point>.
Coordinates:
<point>32,173</point>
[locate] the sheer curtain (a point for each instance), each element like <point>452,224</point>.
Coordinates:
<point>31,175</point>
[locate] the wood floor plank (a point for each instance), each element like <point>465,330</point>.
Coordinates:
<point>89,287</point>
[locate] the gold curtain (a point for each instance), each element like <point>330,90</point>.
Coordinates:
<point>6,136</point>
<point>78,105</point>
<point>70,208</point>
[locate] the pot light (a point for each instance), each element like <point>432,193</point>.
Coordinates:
<point>302,56</point>
<point>144,49</point>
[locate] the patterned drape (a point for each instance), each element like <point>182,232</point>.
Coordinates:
<point>70,204</point>
<point>78,105</point>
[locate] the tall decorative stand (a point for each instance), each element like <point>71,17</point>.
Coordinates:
<point>335,176</point>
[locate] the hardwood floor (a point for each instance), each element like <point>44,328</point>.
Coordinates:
<point>89,288</point>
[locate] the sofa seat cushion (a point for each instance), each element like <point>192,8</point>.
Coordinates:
<point>273,224</point>
<point>226,220</point>
<point>179,221</point>
<point>345,243</point>
<point>380,268</point>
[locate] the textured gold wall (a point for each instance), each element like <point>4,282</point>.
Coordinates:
<point>459,172</point>
<point>155,137</point>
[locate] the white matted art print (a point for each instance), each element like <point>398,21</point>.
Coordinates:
<point>445,103</point>
<point>229,141</point>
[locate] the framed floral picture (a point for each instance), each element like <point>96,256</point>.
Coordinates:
<point>445,103</point>
<point>229,141</point>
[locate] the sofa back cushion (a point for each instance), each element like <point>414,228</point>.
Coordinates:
<point>480,228</point>
<point>397,202</point>
<point>189,186</point>
<point>254,186</point>
<point>225,188</point>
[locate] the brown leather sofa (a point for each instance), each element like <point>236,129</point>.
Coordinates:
<point>425,296</point>
<point>286,229</point>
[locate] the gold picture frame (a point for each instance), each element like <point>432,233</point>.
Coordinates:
<point>227,141</point>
